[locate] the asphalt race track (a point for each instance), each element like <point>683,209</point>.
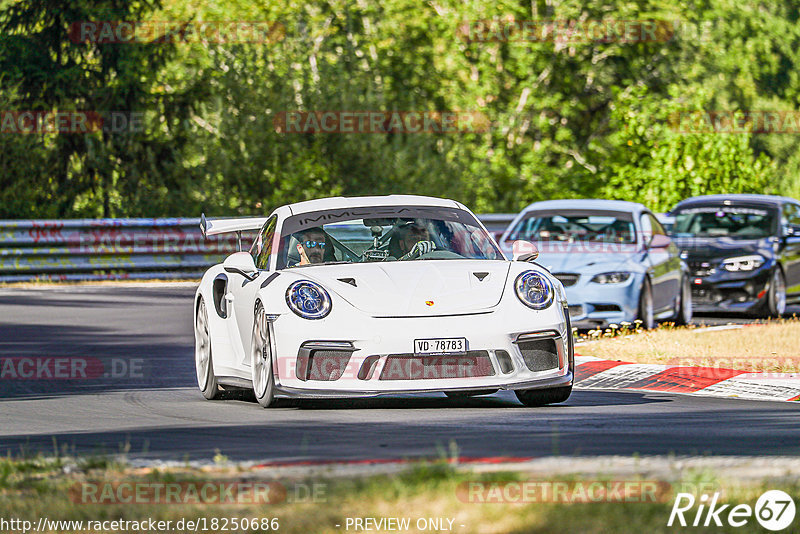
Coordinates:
<point>140,397</point>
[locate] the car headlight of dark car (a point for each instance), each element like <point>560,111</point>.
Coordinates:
<point>534,290</point>
<point>743,263</point>
<point>616,277</point>
<point>308,300</point>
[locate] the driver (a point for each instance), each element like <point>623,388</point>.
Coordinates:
<point>413,240</point>
<point>311,246</point>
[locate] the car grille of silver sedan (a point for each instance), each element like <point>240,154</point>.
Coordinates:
<point>567,279</point>
<point>575,310</point>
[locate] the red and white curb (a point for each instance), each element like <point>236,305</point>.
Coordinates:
<point>594,373</point>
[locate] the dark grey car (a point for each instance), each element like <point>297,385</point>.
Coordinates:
<point>743,251</point>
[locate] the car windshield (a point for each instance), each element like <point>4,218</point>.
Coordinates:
<point>383,233</point>
<point>737,222</point>
<point>576,226</point>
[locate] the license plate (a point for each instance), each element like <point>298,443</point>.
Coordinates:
<point>444,345</point>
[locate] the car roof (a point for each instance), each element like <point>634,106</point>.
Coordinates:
<point>360,202</point>
<point>587,203</point>
<point>738,198</point>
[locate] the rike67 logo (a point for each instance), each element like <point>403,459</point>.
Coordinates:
<point>774,510</point>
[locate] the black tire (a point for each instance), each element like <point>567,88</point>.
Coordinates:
<point>775,306</point>
<point>644,311</point>
<point>261,360</point>
<point>542,397</point>
<point>467,394</point>
<point>683,311</point>
<point>203,359</point>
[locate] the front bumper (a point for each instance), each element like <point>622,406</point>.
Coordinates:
<point>731,292</point>
<point>380,357</point>
<point>305,393</point>
<point>593,305</point>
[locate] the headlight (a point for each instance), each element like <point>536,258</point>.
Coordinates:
<point>534,290</point>
<point>743,263</point>
<point>611,278</point>
<point>308,300</point>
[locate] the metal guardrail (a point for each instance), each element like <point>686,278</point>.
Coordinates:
<point>121,249</point>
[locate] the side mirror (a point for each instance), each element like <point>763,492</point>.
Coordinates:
<point>659,241</point>
<point>241,263</point>
<point>524,251</point>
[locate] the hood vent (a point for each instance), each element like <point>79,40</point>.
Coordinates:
<point>480,276</point>
<point>351,281</point>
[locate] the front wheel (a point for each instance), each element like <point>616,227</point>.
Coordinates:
<point>204,366</point>
<point>645,309</point>
<point>776,296</point>
<point>542,397</point>
<point>683,310</point>
<point>261,360</point>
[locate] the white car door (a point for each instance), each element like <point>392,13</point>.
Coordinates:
<point>242,292</point>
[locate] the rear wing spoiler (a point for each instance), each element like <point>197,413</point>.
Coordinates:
<point>225,226</point>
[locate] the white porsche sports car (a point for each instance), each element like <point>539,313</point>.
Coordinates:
<point>356,297</point>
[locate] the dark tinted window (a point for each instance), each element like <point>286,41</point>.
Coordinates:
<point>736,222</point>
<point>576,225</point>
<point>383,233</point>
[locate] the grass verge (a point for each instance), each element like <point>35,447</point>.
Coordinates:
<point>764,347</point>
<point>34,488</point>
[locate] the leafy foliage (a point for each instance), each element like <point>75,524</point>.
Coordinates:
<point>657,164</point>
<point>569,118</point>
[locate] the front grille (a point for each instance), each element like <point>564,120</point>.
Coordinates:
<point>705,296</point>
<point>714,296</point>
<point>324,365</point>
<point>606,308</point>
<point>701,268</point>
<point>539,354</point>
<point>475,363</point>
<point>567,279</point>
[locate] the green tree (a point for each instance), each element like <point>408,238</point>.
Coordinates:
<point>106,172</point>
<point>658,164</point>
